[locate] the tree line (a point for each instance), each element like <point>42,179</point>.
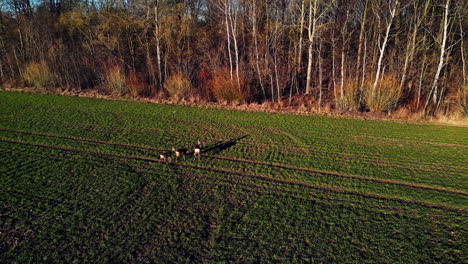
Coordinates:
<point>361,55</point>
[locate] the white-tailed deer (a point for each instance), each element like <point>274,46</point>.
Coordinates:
<point>179,152</point>
<point>197,150</point>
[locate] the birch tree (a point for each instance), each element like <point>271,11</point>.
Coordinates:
<point>158,39</point>
<point>442,58</point>
<point>316,13</point>
<point>363,20</point>
<point>420,13</point>
<point>393,5</point>
<point>313,18</point>
<point>255,38</point>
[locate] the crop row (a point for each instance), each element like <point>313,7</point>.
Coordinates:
<point>287,160</point>
<point>114,112</point>
<point>329,183</point>
<point>416,173</point>
<point>173,125</point>
<point>163,135</point>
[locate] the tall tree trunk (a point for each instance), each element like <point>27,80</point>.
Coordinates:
<point>333,65</point>
<point>276,76</point>
<point>257,56</point>
<point>311,31</point>
<point>320,76</point>
<point>158,50</point>
<point>301,31</point>
<point>309,70</point>
<point>275,60</point>
<point>361,38</point>
<point>462,52</point>
<point>423,67</point>
<point>363,76</point>
<point>233,20</point>
<point>342,67</point>
<point>411,46</point>
<point>228,35</point>
<point>384,44</point>
<point>435,83</point>
<point>2,75</point>
<point>18,64</point>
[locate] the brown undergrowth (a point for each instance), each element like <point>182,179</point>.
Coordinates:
<point>299,105</point>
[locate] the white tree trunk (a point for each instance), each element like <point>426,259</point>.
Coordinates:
<point>311,31</point>
<point>233,19</point>
<point>363,78</point>
<point>158,50</point>
<point>442,54</point>
<point>301,28</point>
<point>275,61</point>
<point>384,44</point>
<point>410,48</point>
<point>276,77</point>
<point>361,38</point>
<point>462,49</point>
<point>228,35</point>
<point>257,56</point>
<point>420,83</point>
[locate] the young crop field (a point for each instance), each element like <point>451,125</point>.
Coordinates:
<point>81,182</point>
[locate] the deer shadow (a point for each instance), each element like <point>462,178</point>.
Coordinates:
<point>220,146</point>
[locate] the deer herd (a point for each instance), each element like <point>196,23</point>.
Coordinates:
<point>182,152</point>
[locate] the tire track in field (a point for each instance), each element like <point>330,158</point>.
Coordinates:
<point>264,178</point>
<point>367,158</point>
<point>377,159</point>
<point>292,193</point>
<point>278,165</point>
<point>380,161</point>
<point>374,159</point>
<point>80,139</point>
<point>410,140</point>
<point>280,130</point>
<point>171,119</point>
<point>393,139</point>
<point>342,175</point>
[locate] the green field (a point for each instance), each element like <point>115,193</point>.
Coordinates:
<point>80,182</point>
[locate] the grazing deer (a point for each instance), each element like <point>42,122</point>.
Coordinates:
<point>179,152</point>
<point>166,156</point>
<point>197,150</point>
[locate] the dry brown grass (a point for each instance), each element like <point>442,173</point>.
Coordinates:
<point>386,95</point>
<point>135,84</point>
<point>463,95</point>
<point>226,89</point>
<point>178,86</point>
<point>347,101</point>
<point>114,81</point>
<point>38,74</point>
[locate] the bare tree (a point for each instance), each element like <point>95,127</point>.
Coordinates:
<point>320,75</point>
<point>462,46</point>
<point>158,39</point>
<point>363,20</point>
<point>393,5</point>
<point>443,49</point>
<point>418,18</point>
<point>316,14</point>
<point>255,37</point>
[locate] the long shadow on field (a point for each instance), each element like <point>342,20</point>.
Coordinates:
<point>220,146</point>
